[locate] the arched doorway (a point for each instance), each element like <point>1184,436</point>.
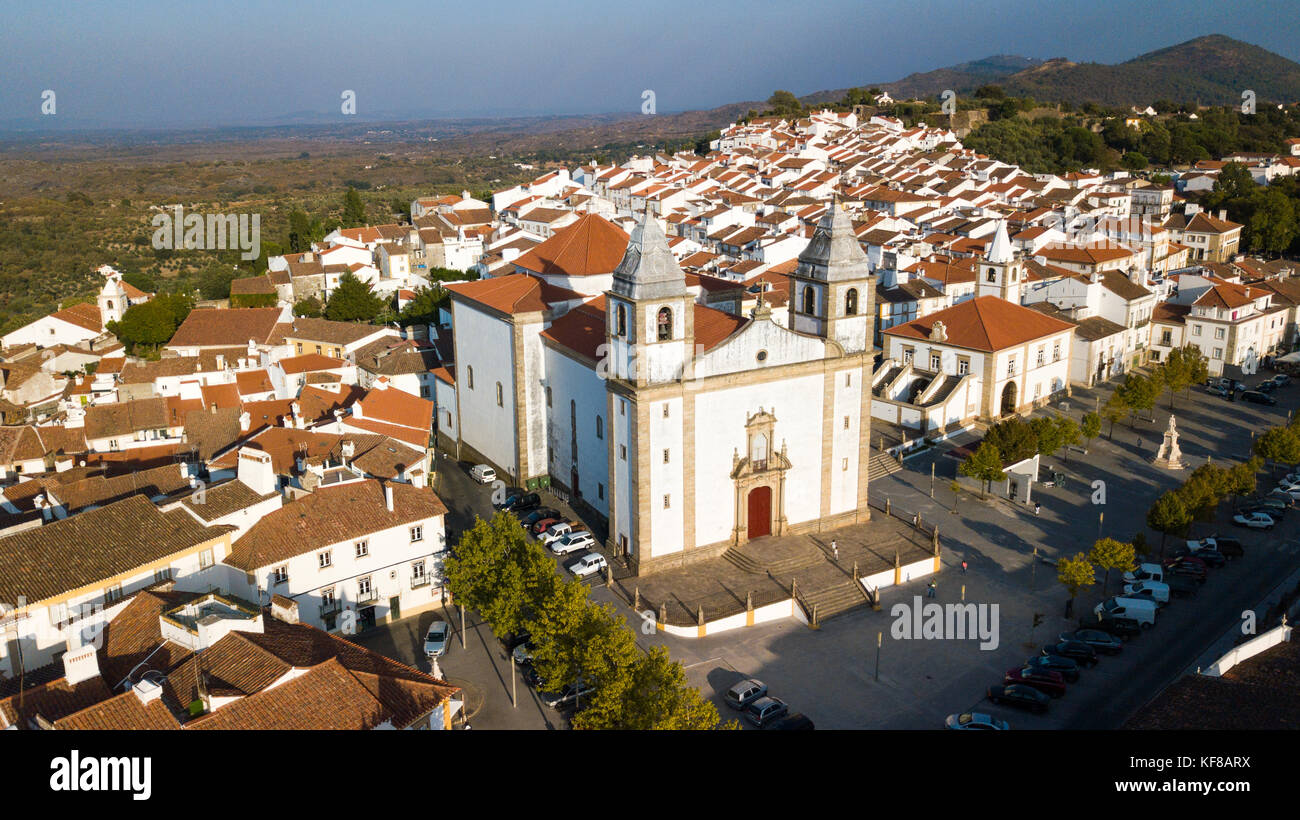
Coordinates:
<point>760,512</point>
<point>1009,399</point>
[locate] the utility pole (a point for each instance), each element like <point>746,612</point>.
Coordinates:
<point>462,626</point>
<point>880,637</point>
<point>931,479</point>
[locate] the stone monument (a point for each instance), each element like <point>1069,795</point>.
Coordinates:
<point>1169,456</point>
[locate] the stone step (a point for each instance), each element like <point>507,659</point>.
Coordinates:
<point>834,600</point>
<point>882,465</point>
<point>784,566</point>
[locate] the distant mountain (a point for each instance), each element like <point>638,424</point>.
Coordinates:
<point>1211,70</point>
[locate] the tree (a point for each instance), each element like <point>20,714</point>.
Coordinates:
<point>300,232</point>
<point>1273,225</point>
<point>656,697</point>
<point>1134,161</point>
<point>984,465</point>
<point>1279,445</point>
<point>500,573</point>
<point>783,102</point>
<point>1091,426</point>
<point>1075,574</point>
<point>151,324</point>
<point>1242,478</point>
<point>1167,516</point>
<point>1138,393</point>
<point>214,282</point>
<point>1015,438</point>
<point>1115,408</point>
<point>423,309</point>
<point>309,307</point>
<point>1234,181</point>
<point>353,301</point>
<point>354,210</point>
<point>1110,554</point>
<point>560,624</point>
<point>1046,434</point>
<point>1068,433</point>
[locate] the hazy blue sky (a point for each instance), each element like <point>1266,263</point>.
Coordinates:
<point>163,63</point>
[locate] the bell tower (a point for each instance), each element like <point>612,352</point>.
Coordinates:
<point>832,290</point>
<point>1001,272</point>
<point>650,315</point>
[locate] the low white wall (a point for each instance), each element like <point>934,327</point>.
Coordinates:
<point>762,614</point>
<point>1249,649</point>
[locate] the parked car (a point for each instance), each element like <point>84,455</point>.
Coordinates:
<point>435,640</point>
<point>521,503</point>
<point>1267,386</point>
<point>1076,651</point>
<point>745,693</point>
<point>544,524</point>
<point>567,696</point>
<point>574,541</point>
<point>1229,547</point>
<point>1046,681</point>
<point>1256,397</point>
<point>539,514</point>
<point>1208,556</point>
<point>765,710</point>
<point>1067,668</point>
<point>483,474</point>
<point>1255,520</point>
<point>1144,612</point>
<point>1217,390</point>
<point>1120,627</point>
<point>1290,493</point>
<point>795,722</point>
<point>1020,696</point>
<point>976,721</point>
<point>1274,511</point>
<point>1281,380</point>
<point>523,653</point>
<point>559,529</point>
<point>1154,590</point>
<point>532,677</point>
<point>1098,639</point>
<point>1187,567</point>
<point>587,565</point>
<point>512,639</point>
<point>1146,572</point>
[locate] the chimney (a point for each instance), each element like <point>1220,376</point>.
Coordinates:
<point>348,449</point>
<point>80,664</point>
<point>43,504</point>
<point>388,497</point>
<point>256,471</point>
<point>147,691</point>
<point>298,420</point>
<point>221,361</point>
<point>245,421</point>
<point>1223,214</point>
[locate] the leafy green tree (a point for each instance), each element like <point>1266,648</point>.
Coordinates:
<point>353,301</point>
<point>1279,445</point>
<point>1075,574</point>
<point>500,573</point>
<point>423,309</point>
<point>151,324</point>
<point>1110,554</point>
<point>784,103</point>
<point>983,465</point>
<point>1115,409</point>
<point>1068,433</point>
<point>1015,438</point>
<point>300,232</point>
<point>655,696</point>
<point>214,282</point>
<point>1234,181</point>
<point>354,210</point>
<point>1134,161</point>
<point>309,307</point>
<point>1138,393</point>
<point>1091,427</point>
<point>1273,226</point>
<point>1168,515</point>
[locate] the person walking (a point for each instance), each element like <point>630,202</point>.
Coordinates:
<point>963,567</point>
<point>835,549</point>
<point>931,589</point>
<point>1037,508</point>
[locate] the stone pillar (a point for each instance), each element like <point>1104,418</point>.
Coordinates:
<point>898,569</point>
<point>700,621</point>
<point>887,506</point>
<point>749,608</point>
<point>636,598</point>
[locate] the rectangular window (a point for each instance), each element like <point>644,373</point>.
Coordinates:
<point>363,548</point>
<point>327,599</point>
<point>667,501</point>
<point>622,452</point>
<point>363,586</point>
<point>318,352</point>
<point>113,593</point>
<point>1042,356</point>
<point>844,464</point>
<point>417,534</point>
<point>1196,330</point>
<point>1056,352</point>
<point>907,355</point>
<point>1218,333</point>
<point>280,574</point>
<point>622,409</point>
<point>500,396</point>
<point>1011,366</point>
<point>162,574</point>
<point>935,362</point>
<point>600,491</point>
<point>848,379</point>
<point>205,559</point>
<point>846,422</point>
<point>417,571</point>
<point>665,456</point>
<point>58,614</point>
<point>1166,337</point>
<point>600,428</point>
<point>325,559</point>
<point>665,409</point>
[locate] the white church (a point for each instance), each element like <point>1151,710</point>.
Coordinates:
<point>690,429</point>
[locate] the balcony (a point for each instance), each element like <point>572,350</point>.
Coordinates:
<point>328,608</point>
<point>422,581</point>
<point>367,597</point>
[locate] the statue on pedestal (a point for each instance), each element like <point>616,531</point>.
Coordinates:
<point>1169,456</point>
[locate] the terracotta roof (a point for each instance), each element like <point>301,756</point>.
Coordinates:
<point>125,418</point>
<point>513,293</point>
<point>309,362</point>
<point>324,330</point>
<point>87,548</point>
<point>592,245</point>
<point>82,315</point>
<point>331,515</point>
<point>224,499</point>
<point>1169,313</point>
<point>253,381</point>
<point>226,327</point>
<point>986,323</point>
<point>393,406</point>
<point>582,330</point>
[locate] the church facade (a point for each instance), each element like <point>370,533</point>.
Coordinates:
<point>692,430</point>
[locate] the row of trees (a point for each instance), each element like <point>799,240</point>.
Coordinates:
<point>1199,496</point>
<point>1015,439</point>
<point>511,582</point>
<point>1080,571</point>
<point>1182,368</point>
<point>353,300</point>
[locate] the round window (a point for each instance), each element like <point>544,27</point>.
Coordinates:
<point>762,355</point>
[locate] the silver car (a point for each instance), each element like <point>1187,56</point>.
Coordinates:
<point>435,640</point>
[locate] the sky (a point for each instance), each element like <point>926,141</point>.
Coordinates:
<point>182,64</point>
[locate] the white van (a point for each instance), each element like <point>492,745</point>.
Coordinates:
<point>1144,612</point>
<point>1153,590</point>
<point>483,474</point>
<point>1146,572</point>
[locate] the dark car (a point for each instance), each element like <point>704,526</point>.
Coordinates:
<point>1229,547</point>
<point>512,639</point>
<point>1256,397</point>
<point>1273,511</point>
<point>793,722</point>
<point>1267,386</point>
<point>537,515</point>
<point>1098,639</point>
<point>1046,681</point>
<point>745,693</point>
<point>1074,650</point>
<point>1187,567</point>
<point>522,503</point>
<point>765,710</point>
<point>1120,627</point>
<point>568,696</point>
<point>1020,696</point>
<point>1067,668</point>
<point>1217,390</point>
<point>1208,556</point>
<point>532,677</point>
<point>1281,380</point>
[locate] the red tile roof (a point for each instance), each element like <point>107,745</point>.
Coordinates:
<point>592,245</point>
<point>513,293</point>
<point>986,323</point>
